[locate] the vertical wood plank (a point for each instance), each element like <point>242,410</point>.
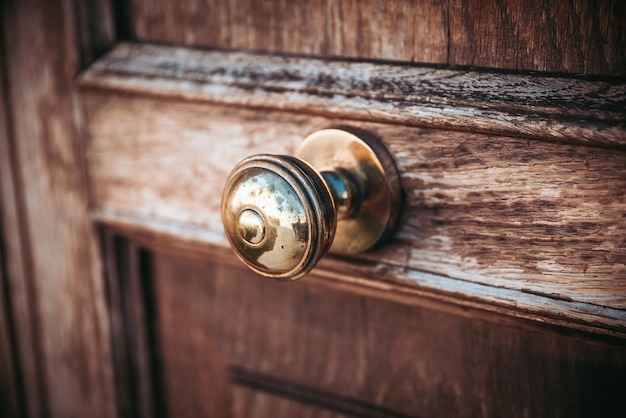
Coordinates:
<point>95,28</point>
<point>114,261</point>
<point>577,36</point>
<point>548,35</point>
<point>393,29</point>
<point>11,392</point>
<point>130,328</point>
<point>8,365</point>
<point>67,301</point>
<point>193,364</point>
<point>16,268</point>
<point>9,389</point>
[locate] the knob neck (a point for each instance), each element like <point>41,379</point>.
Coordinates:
<point>346,195</point>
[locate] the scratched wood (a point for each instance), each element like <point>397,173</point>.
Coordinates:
<point>576,37</point>
<point>566,109</point>
<point>505,213</point>
<point>55,281</point>
<point>335,350</point>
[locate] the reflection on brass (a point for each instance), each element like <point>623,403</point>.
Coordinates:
<point>281,214</point>
<point>295,210</point>
<point>359,158</point>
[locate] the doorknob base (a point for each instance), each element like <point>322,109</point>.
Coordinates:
<point>368,194</point>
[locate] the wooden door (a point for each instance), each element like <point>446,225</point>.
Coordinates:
<point>502,293</point>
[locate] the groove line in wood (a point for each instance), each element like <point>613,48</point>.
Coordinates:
<point>308,395</point>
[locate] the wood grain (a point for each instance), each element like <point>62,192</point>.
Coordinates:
<point>10,402</point>
<point>577,37</point>
<point>10,390</point>
<point>212,317</point>
<point>59,255</point>
<point>130,327</point>
<point>371,276</point>
<point>566,109</point>
<point>481,212</point>
<point>12,386</point>
<point>19,287</point>
<point>94,26</point>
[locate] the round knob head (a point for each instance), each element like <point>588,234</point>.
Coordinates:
<point>278,215</point>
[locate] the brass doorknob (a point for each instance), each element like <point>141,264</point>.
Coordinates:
<point>281,214</point>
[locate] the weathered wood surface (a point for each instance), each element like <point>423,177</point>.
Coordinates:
<point>544,221</point>
<point>371,276</point>
<point>574,109</point>
<point>56,286</point>
<point>221,326</point>
<point>547,35</point>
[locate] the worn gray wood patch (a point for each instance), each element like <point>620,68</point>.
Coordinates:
<point>558,108</point>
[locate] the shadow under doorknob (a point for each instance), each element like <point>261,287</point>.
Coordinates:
<point>281,214</point>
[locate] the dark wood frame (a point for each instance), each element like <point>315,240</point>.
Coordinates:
<point>52,276</point>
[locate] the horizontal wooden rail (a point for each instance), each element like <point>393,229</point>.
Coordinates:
<point>530,228</point>
<point>558,108</point>
<point>381,278</point>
